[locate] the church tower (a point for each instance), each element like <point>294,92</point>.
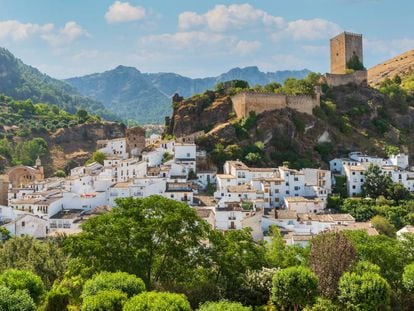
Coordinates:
<point>343,47</point>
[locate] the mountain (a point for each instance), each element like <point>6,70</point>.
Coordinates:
<point>401,65</point>
<point>126,92</point>
<point>22,82</point>
<point>146,97</point>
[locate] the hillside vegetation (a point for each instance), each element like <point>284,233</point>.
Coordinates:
<point>350,118</point>
<point>22,82</point>
<point>59,138</point>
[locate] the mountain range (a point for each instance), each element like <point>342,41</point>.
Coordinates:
<point>146,97</point>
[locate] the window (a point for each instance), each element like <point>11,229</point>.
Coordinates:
<point>353,173</point>
<point>23,223</point>
<point>188,155</point>
<point>353,187</point>
<point>296,179</point>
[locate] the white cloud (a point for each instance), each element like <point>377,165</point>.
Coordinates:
<point>200,41</point>
<point>389,47</point>
<point>311,29</point>
<point>120,12</point>
<point>223,18</point>
<point>18,31</point>
<point>70,32</point>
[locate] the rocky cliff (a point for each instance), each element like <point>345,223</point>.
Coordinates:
<point>350,118</point>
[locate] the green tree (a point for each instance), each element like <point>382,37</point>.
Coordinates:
<point>294,287</point>
<point>231,255</point>
<point>57,299</point>
<point>122,281</point>
<point>383,226</point>
<point>98,156</point>
<point>23,280</point>
<point>398,192</point>
<point>18,300</point>
<point>354,63</point>
<point>223,306</point>
<point>331,254</point>
<point>408,277</point>
<point>323,304</point>
<point>46,259</point>
<point>376,182</point>
<point>82,115</point>
<point>60,173</point>
<point>366,292</point>
<point>280,255</point>
<point>155,301</point>
<point>150,237</point>
<point>106,300</point>
<point>27,152</point>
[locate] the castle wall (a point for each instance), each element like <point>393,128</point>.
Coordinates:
<point>244,103</point>
<point>303,103</point>
<point>357,77</point>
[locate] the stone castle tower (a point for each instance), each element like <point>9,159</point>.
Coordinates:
<point>343,47</point>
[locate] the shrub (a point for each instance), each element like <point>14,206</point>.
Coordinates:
<point>223,306</point>
<point>57,299</point>
<point>122,281</point>
<point>155,301</point>
<point>18,300</point>
<point>23,280</point>
<point>106,300</point>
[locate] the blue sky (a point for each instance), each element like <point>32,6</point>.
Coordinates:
<point>197,38</point>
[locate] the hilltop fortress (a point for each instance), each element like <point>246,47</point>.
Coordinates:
<point>344,47</point>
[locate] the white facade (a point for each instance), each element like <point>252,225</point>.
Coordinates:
<point>114,148</point>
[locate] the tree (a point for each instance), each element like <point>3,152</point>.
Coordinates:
<point>230,256</point>
<point>57,299</point>
<point>106,300</point>
<point>294,287</point>
<point>27,152</point>
<point>280,255</point>
<point>408,277</point>
<point>82,115</point>
<point>256,286</point>
<point>60,173</point>
<point>367,291</point>
<point>354,63</point>
<point>223,306</point>
<point>122,281</point>
<point>376,183</point>
<point>23,280</point>
<point>397,192</point>
<point>18,300</point>
<point>98,156</point>
<point>46,259</point>
<point>323,304</point>
<point>330,255</point>
<point>154,301</point>
<point>383,225</point>
<point>150,237</point>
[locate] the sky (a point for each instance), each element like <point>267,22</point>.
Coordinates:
<point>198,38</point>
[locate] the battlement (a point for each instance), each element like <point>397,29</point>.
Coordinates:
<point>244,103</point>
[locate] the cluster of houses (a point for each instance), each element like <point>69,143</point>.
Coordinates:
<point>257,198</point>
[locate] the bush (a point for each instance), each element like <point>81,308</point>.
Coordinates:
<point>122,281</point>
<point>18,300</point>
<point>223,306</point>
<point>106,300</point>
<point>155,301</point>
<point>23,280</point>
<point>57,299</point>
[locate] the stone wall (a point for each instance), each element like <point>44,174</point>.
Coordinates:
<point>357,77</point>
<point>244,103</point>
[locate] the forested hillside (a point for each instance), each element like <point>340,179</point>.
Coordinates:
<point>22,82</point>
<point>62,140</point>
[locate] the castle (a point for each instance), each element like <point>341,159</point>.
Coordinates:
<point>344,47</point>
